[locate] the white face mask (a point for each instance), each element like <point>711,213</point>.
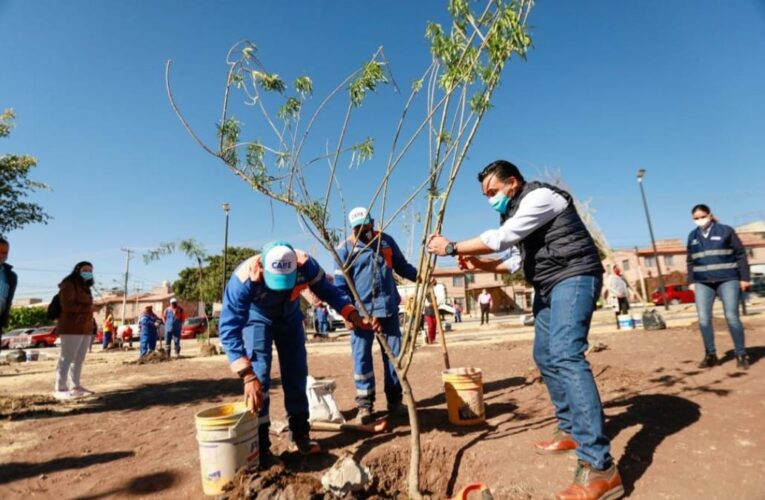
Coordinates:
<point>703,222</point>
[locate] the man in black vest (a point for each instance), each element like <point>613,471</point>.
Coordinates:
<point>561,260</point>
<point>8,282</point>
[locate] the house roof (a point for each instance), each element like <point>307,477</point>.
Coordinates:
<point>757,226</point>
<point>136,297</point>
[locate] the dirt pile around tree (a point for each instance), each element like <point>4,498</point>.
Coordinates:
<point>209,350</point>
<point>158,356</point>
<point>274,483</point>
<point>390,472</point>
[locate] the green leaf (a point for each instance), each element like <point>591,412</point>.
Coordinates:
<point>304,86</point>
<point>371,75</point>
<point>290,109</point>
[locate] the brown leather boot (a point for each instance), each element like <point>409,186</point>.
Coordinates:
<point>593,484</point>
<point>561,442</point>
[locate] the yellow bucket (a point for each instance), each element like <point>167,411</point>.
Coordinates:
<point>464,395</point>
<point>228,439</point>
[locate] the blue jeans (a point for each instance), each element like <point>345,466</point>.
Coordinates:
<point>107,339</point>
<point>148,343</point>
<point>561,324</point>
<point>363,368</point>
<point>730,294</point>
<point>289,336</point>
<point>173,335</point>
<point>323,327</point>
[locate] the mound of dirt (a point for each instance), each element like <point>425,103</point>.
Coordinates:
<point>158,356</point>
<point>14,405</point>
<point>209,350</point>
<point>16,356</point>
<point>275,483</point>
<point>390,471</point>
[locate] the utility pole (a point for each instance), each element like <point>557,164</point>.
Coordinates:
<point>129,253</point>
<point>640,277</point>
<point>662,288</point>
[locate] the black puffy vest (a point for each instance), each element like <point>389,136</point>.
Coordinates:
<point>560,249</point>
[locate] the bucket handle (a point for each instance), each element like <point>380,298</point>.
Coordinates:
<point>238,421</point>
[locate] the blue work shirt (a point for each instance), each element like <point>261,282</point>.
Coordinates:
<point>247,300</point>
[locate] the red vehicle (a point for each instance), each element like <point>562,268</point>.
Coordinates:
<point>124,332</point>
<point>193,327</point>
<point>676,294</point>
<point>43,337</point>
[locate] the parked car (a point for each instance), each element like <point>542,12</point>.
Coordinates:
<point>18,337</point>
<point>43,337</point>
<point>676,294</point>
<point>194,326</point>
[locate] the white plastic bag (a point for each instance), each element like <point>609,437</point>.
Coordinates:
<point>321,403</point>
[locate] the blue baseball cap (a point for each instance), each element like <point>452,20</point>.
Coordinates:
<point>359,216</point>
<point>279,265</point>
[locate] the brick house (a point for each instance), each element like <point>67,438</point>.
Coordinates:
<point>464,288</point>
<point>158,298</point>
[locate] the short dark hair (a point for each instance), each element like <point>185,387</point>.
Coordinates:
<point>502,169</point>
<point>702,207</point>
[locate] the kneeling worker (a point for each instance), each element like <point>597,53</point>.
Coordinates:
<point>261,305</point>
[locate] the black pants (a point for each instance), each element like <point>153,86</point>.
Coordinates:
<point>485,313</point>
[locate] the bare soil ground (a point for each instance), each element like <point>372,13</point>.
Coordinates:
<point>677,431</point>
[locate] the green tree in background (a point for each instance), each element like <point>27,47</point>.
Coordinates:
<point>187,287</point>
<point>28,317</point>
<point>16,213</point>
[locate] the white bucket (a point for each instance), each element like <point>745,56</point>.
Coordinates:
<point>626,322</point>
<point>228,439</point>
<point>637,322</point>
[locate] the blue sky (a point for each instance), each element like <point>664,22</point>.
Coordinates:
<point>671,86</point>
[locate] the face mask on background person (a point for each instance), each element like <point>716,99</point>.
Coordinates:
<point>86,275</point>
<point>703,222</point>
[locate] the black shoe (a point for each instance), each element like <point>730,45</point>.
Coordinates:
<point>305,446</point>
<point>364,415</point>
<point>398,410</point>
<point>709,361</point>
<point>742,362</point>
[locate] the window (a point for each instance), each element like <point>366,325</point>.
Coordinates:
<point>648,261</point>
<point>668,260</point>
<point>469,278</point>
<point>625,265</point>
<point>458,281</point>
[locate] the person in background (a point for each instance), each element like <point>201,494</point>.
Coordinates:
<point>618,293</point>
<point>148,322</point>
<point>75,327</point>
<point>717,267</point>
<point>429,313</point>
<point>561,260</point>
<point>457,313</point>
<point>261,307</point>
<point>322,317</point>
<point>487,304</point>
<point>174,316</point>
<point>109,329</point>
<point>370,259</point>
<point>8,282</point>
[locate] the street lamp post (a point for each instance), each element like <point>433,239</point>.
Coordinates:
<point>226,208</point>
<point>662,289</point>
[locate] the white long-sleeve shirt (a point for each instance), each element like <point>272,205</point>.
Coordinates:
<point>536,209</point>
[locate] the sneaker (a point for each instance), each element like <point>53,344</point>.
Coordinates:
<point>81,392</point>
<point>305,446</point>
<point>742,362</point>
<point>593,484</point>
<point>709,361</point>
<point>63,395</point>
<point>364,415</point>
